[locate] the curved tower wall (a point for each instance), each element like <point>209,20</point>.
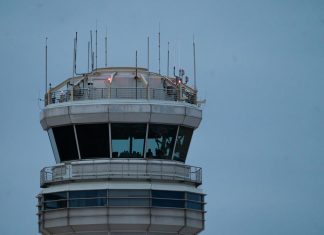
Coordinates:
<point>120,138</point>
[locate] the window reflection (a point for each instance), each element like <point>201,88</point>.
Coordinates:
<point>127,140</point>
<point>183,142</point>
<point>160,141</point>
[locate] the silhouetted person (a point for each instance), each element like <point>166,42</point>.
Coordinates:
<point>149,153</point>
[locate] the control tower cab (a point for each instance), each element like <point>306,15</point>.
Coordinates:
<point>120,138</point>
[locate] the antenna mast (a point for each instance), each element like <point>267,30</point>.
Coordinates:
<point>194,58</point>
<point>96,50</point>
<point>159,50</point>
<point>136,73</point>
<point>148,54</point>
<point>91,50</point>
<point>106,49</point>
<point>75,52</point>
<point>46,72</point>
<point>73,68</point>
<point>88,54</point>
<point>168,62</point>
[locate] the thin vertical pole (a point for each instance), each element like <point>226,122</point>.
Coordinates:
<point>168,62</point>
<point>75,52</point>
<point>194,57</point>
<point>106,50</point>
<point>148,68</point>
<point>46,73</point>
<point>46,67</point>
<point>159,50</point>
<point>88,55</point>
<point>136,73</point>
<point>148,54</point>
<point>91,50</point>
<point>96,49</point>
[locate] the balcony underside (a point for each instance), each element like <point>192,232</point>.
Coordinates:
<point>128,111</point>
<point>122,221</point>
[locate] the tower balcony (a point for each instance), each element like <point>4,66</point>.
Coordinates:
<point>121,170</point>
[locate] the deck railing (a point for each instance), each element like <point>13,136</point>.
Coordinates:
<point>170,94</point>
<point>119,170</point>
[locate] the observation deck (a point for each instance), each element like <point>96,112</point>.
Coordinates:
<point>113,83</point>
<point>138,170</point>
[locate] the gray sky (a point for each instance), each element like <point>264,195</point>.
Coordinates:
<point>260,65</point>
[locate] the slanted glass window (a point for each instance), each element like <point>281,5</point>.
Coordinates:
<point>65,142</point>
<point>88,198</point>
<point>93,140</point>
<point>160,141</point>
<point>182,144</point>
<point>128,140</point>
<point>55,200</point>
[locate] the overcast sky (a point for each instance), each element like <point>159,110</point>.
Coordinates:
<point>260,65</point>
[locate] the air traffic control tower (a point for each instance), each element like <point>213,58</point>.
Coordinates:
<point>120,138</point>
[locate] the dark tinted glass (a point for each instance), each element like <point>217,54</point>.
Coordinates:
<point>55,196</point>
<point>88,202</point>
<point>93,140</point>
<point>183,142</point>
<point>55,204</point>
<point>128,193</point>
<point>167,203</point>
<point>65,142</point>
<point>160,141</point>
<point>129,202</point>
<point>88,194</point>
<point>194,197</point>
<point>195,205</point>
<point>167,194</point>
<point>128,140</point>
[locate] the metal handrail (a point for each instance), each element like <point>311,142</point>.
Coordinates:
<point>146,170</point>
<point>169,94</point>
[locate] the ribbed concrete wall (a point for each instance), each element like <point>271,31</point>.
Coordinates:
<point>122,221</point>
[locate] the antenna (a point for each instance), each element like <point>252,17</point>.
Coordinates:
<point>96,49</point>
<point>91,50</point>
<point>136,73</point>
<point>148,54</point>
<point>73,65</point>
<point>168,62</point>
<point>88,54</point>
<point>75,52</point>
<point>194,60</point>
<point>46,70</point>
<point>136,64</point>
<point>106,49</point>
<point>159,50</point>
